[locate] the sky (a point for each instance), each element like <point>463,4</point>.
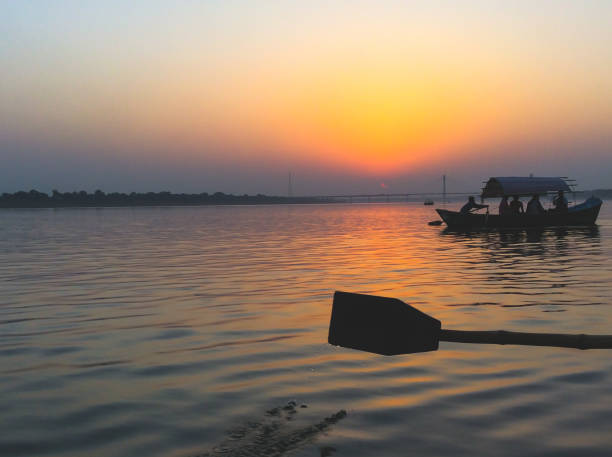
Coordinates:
<point>347,96</point>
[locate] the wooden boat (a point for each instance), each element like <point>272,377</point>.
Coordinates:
<point>583,214</point>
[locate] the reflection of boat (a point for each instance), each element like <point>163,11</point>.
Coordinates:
<point>428,202</point>
<point>583,214</point>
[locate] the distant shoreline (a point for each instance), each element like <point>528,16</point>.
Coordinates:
<point>98,199</point>
<point>82,199</point>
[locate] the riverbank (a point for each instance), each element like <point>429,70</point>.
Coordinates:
<point>35,199</point>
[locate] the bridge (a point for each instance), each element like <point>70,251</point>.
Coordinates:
<point>443,196</point>
<point>396,197</point>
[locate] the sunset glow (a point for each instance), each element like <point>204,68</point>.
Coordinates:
<point>360,88</point>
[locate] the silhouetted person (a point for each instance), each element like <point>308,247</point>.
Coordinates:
<point>471,205</point>
<point>560,202</point>
<point>516,206</point>
<point>534,206</point>
<point>504,206</point>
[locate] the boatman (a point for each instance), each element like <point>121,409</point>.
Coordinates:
<point>516,206</point>
<point>560,202</point>
<point>470,205</point>
<point>534,206</point>
<point>504,206</point>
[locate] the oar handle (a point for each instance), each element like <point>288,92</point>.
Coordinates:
<point>580,341</point>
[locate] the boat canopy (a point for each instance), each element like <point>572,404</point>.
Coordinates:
<point>498,187</point>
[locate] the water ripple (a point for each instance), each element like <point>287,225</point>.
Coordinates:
<point>155,331</point>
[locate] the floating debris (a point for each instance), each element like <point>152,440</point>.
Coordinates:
<point>290,406</point>
<point>326,451</point>
<point>274,411</point>
<point>273,436</point>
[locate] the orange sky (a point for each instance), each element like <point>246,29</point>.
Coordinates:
<point>374,89</point>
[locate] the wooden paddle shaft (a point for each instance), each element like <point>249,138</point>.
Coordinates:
<point>531,339</point>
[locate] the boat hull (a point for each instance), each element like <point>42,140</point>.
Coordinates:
<point>584,214</point>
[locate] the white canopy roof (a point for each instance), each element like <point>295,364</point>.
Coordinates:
<point>512,185</point>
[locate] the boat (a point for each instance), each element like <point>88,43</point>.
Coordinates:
<point>583,214</point>
<point>428,202</point>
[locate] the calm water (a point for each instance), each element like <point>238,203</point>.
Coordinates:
<point>185,331</point>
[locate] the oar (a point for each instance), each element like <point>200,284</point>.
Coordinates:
<point>389,326</point>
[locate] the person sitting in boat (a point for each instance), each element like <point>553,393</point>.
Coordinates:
<point>516,206</point>
<point>504,206</point>
<point>471,205</point>
<point>534,206</point>
<point>560,202</point>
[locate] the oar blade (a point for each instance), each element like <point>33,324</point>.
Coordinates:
<point>381,325</point>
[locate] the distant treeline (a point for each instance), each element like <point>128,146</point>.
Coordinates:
<point>35,199</point>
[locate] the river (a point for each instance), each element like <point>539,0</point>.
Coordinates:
<point>192,331</point>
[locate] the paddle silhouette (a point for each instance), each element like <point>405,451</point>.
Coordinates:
<point>389,326</point>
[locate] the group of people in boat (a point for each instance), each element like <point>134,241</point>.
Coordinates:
<point>515,206</point>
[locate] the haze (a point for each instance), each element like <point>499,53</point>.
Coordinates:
<point>349,96</point>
